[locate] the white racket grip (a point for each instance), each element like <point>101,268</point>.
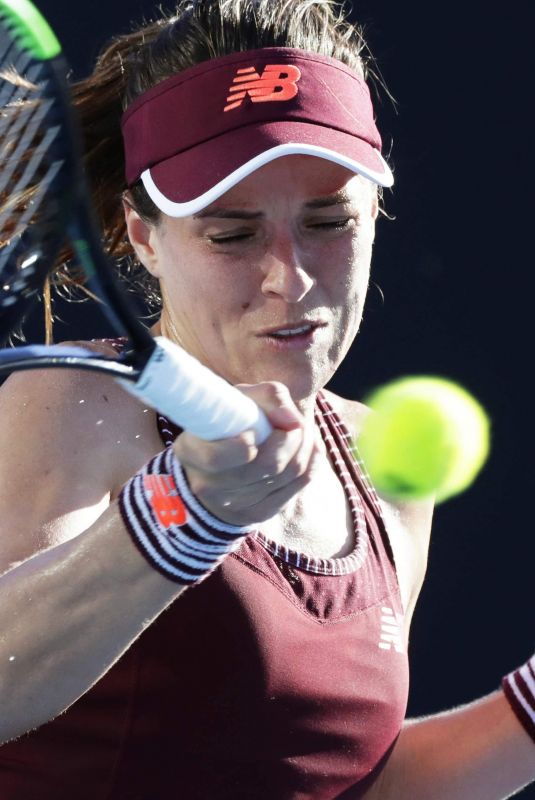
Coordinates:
<point>194,397</point>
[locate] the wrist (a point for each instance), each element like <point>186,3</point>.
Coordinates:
<point>519,689</point>
<point>168,525</point>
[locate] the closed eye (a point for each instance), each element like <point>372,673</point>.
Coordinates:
<point>235,237</point>
<point>335,224</point>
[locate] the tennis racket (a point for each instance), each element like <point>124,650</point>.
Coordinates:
<point>46,201</point>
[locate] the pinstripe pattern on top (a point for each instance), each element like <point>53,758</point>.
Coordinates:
<point>353,477</point>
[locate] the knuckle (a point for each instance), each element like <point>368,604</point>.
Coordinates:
<point>275,465</point>
<point>282,452</point>
<point>245,448</point>
<point>271,392</point>
<point>293,471</point>
<point>277,391</point>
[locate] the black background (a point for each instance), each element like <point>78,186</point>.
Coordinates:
<point>452,295</point>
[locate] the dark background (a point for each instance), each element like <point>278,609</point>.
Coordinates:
<point>455,270</point>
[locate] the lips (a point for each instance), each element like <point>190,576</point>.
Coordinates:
<point>301,328</point>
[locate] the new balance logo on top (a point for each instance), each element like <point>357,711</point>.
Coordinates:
<point>164,499</point>
<point>277,82</point>
<point>391,632</point>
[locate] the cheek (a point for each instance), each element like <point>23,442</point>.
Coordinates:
<point>185,279</point>
<point>351,289</point>
<point>354,270</point>
<point>203,292</point>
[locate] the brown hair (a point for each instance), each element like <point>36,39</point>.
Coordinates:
<point>198,30</point>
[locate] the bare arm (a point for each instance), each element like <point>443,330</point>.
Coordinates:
<point>476,752</point>
<point>479,751</point>
<point>76,591</point>
<point>66,615</point>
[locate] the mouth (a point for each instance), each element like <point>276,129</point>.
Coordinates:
<point>300,333</point>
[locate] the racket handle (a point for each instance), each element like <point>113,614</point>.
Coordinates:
<point>194,397</point>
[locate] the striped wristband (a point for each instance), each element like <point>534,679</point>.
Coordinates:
<point>175,534</point>
<point>519,688</point>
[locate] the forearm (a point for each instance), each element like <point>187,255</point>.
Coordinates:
<point>476,752</point>
<point>66,615</point>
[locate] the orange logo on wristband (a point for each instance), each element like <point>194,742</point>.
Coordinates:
<point>277,82</point>
<point>165,500</point>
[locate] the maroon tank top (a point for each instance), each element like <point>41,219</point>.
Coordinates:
<point>280,677</point>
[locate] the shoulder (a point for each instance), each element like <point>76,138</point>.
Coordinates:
<point>69,440</point>
<point>352,412</point>
<point>408,524</point>
<point>55,400</point>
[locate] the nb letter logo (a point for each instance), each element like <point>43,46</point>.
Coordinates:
<point>277,82</point>
<point>164,499</point>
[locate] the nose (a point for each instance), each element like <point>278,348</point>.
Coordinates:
<point>285,275</point>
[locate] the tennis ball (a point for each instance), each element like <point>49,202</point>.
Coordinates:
<point>425,436</point>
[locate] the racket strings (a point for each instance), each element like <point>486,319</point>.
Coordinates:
<point>27,168</point>
<point>19,274</point>
<point>14,65</point>
<point>26,155</point>
<point>21,130</point>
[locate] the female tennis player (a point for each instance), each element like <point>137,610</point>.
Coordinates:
<point>184,619</point>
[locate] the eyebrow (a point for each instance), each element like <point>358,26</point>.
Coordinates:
<point>339,198</point>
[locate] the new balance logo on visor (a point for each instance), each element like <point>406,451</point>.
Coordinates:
<point>164,500</point>
<point>277,82</point>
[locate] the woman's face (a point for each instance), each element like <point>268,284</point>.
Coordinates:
<point>269,282</point>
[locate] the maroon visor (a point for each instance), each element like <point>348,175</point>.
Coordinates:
<point>197,134</point>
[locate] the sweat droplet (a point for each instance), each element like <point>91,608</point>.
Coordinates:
<point>81,401</point>
<point>11,658</point>
<point>100,421</point>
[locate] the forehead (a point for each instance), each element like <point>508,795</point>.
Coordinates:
<point>294,180</point>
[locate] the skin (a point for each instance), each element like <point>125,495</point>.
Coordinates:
<point>302,252</point>
<point>67,548</point>
<point>288,263</point>
<point>225,279</point>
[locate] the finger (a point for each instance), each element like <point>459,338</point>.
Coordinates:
<point>248,508</point>
<point>227,454</point>
<point>281,458</point>
<point>262,478</point>
<point>276,402</point>
<point>212,457</point>
<point>218,456</point>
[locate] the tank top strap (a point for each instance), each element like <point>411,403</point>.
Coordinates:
<point>342,447</point>
<point>343,450</point>
<point>362,497</point>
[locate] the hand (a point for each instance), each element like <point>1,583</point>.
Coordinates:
<point>241,483</point>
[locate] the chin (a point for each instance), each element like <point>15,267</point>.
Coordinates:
<point>302,387</point>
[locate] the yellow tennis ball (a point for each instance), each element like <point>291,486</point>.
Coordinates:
<point>425,436</point>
